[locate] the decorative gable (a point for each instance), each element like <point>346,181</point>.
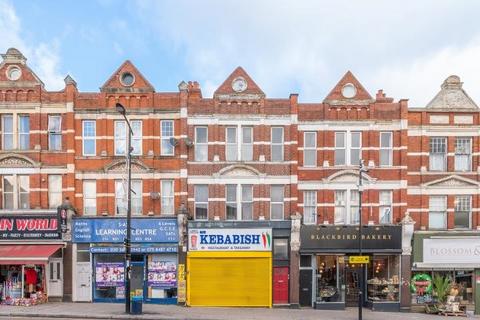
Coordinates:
<point>127,78</point>
<point>348,91</point>
<point>14,71</point>
<point>451,181</point>
<point>239,171</point>
<point>239,85</point>
<point>452,97</point>
<point>121,166</point>
<point>347,176</point>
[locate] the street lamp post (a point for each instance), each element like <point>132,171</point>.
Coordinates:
<point>361,170</point>
<point>121,109</point>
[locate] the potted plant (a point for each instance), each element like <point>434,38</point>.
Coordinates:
<point>441,289</point>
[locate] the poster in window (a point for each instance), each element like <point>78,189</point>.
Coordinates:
<point>109,274</point>
<point>162,272</point>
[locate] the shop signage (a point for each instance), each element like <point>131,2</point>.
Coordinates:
<point>109,274</point>
<point>230,239</point>
<point>162,272</point>
<point>29,227</point>
<point>345,238</point>
<point>114,230</point>
<point>448,250</point>
<point>62,213</point>
<point>160,249</point>
<point>358,259</point>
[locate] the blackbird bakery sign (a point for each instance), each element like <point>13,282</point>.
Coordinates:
<point>346,238</point>
<point>29,227</point>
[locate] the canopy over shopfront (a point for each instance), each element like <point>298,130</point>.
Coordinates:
<point>27,254</point>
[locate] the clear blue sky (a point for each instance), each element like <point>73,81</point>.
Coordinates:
<point>405,47</point>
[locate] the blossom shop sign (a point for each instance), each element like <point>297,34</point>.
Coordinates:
<point>230,239</point>
<point>29,227</point>
<point>448,250</point>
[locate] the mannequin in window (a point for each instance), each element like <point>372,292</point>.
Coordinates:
<point>30,279</point>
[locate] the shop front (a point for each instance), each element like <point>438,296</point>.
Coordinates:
<point>454,255</point>
<point>330,280</point>
<point>31,259</point>
<point>99,251</point>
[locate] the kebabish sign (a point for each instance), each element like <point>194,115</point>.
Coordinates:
<point>230,239</point>
<point>345,238</point>
<point>29,227</point>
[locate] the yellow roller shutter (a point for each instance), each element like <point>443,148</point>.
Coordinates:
<point>229,279</point>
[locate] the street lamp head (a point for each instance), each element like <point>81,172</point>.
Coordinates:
<point>120,108</point>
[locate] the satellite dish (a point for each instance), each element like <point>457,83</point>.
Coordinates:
<point>173,141</point>
<point>188,142</point>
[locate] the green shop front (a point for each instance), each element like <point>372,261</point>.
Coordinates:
<point>453,254</point>
<point>99,250</point>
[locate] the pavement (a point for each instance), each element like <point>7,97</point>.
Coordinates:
<point>65,310</point>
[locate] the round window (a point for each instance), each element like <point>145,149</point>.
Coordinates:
<point>349,90</point>
<point>14,73</point>
<point>127,79</point>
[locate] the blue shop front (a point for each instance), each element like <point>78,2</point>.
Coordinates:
<point>99,250</point>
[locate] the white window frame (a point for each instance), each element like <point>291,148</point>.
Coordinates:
<point>167,198</point>
<point>346,210</point>
<point>89,194</point>
<point>137,137</point>
<point>201,145</point>
<point>240,201</point>
<point>118,137</point>
<point>432,153</point>
<point>197,187</point>
<point>463,152</point>
<point>137,197</point>
<point>309,149</point>
<point>10,134</point>
<point>437,211</point>
<point>388,149</point>
<point>459,208</point>
<point>351,148</point>
<point>245,146</point>
<point>54,133</point>
<point>347,147</point>
<point>310,207</point>
<point>242,147</point>
<point>20,133</point>
<point>165,139</point>
<point>54,193</point>
<point>278,145</point>
<point>232,203</point>
<point>232,149</point>
<point>279,203</point>
<point>86,138</point>
<point>16,191</point>
<point>383,206</point>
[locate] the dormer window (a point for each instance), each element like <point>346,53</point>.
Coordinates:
<point>127,79</point>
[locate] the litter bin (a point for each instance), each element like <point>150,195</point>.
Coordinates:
<point>137,303</point>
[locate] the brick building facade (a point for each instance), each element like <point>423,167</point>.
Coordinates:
<point>240,160</point>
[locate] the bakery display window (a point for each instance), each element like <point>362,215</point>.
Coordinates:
<point>383,279</point>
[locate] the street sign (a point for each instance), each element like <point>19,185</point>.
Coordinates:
<point>358,259</point>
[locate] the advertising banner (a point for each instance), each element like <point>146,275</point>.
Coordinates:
<point>162,271</point>
<point>109,274</point>
<point>230,239</point>
<point>451,250</point>
<point>29,227</point>
<point>89,230</point>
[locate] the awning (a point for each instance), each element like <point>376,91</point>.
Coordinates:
<point>27,254</point>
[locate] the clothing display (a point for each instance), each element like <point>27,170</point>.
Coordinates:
<point>32,279</point>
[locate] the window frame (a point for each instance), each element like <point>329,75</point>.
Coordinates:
<point>469,212</point>
<point>239,201</point>
<point>51,193</point>
<point>86,138</point>
<point>164,197</point>
<point>196,202</point>
<point>231,148</point>
<point>89,185</point>
<point>199,145</point>
<point>467,154</point>
<point>388,149</point>
<point>445,212</point>
<point>137,137</point>
<point>20,133</point>
<point>385,205</point>
<point>311,204</point>
<point>431,153</point>
<point>137,197</point>
<point>118,137</point>
<point>55,133</point>
<point>165,139</point>
<point>16,191</point>
<point>310,149</point>
<point>10,134</point>
<point>245,146</point>
<point>279,145</point>
<point>280,203</point>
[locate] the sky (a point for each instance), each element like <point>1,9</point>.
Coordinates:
<point>405,47</point>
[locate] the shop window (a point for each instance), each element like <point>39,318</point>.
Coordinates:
<point>7,132</point>
<point>305,261</point>
<point>463,209</point>
<point>330,280</point>
<point>386,149</point>
<point>276,202</point>
<point>309,149</point>
<point>463,154</point>
<point>385,202</point>
<point>280,249</point>
<point>167,196</point>
<point>201,144</point>
<point>309,207</point>
<point>23,132</point>
<point>55,133</point>
<point>438,154</point>
<point>437,212</point>
<point>23,284</point>
<point>167,149</point>
<point>89,137</point>
<point>109,270</point>
<point>276,145</point>
<point>54,191</point>
<point>161,276</point>
<point>89,197</point>
<point>201,202</point>
<point>16,192</point>
<point>383,279</point>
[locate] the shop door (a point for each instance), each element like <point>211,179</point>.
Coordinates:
<point>306,282</point>
<point>55,277</point>
<point>352,276</point>
<point>280,285</point>
<point>84,281</point>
